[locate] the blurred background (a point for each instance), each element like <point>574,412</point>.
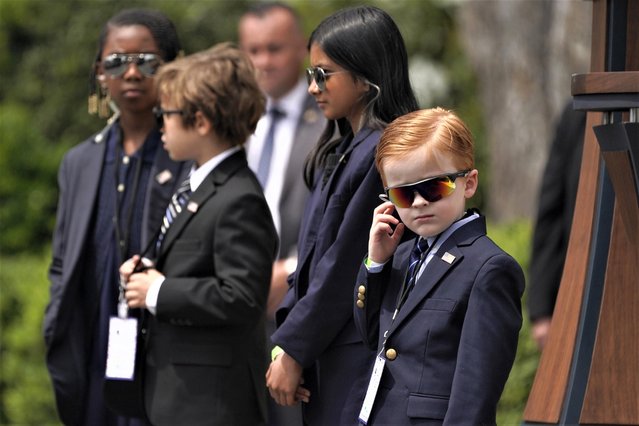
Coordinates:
<point>503,65</point>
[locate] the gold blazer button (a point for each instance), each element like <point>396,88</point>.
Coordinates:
<point>391,354</point>
<point>360,304</point>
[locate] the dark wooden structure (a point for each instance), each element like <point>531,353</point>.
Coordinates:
<point>589,371</point>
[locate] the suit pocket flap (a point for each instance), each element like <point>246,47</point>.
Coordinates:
<point>428,407</point>
<point>439,304</point>
<point>201,355</point>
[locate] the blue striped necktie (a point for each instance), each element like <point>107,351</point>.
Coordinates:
<point>415,260</point>
<point>178,200</point>
<point>264,166</point>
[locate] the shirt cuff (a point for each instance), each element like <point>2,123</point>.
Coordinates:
<point>373,267</point>
<point>151,299</point>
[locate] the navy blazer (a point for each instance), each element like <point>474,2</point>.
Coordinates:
<point>205,345</point>
<point>65,330</point>
<point>451,347</point>
<point>315,319</point>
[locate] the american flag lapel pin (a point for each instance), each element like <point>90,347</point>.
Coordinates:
<point>192,206</point>
<point>448,258</point>
<point>163,177</point>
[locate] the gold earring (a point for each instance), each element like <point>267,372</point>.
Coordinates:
<point>104,110</point>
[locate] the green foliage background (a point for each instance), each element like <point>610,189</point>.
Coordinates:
<point>46,51</point>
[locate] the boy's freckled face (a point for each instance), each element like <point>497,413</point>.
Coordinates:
<point>429,218</point>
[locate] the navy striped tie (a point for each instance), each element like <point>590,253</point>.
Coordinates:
<point>264,167</point>
<point>421,246</point>
<point>178,200</point>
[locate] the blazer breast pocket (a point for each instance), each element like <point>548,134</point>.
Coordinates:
<point>433,304</point>
<point>187,245</point>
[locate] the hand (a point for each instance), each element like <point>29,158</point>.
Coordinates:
<point>284,379</point>
<point>138,285</point>
<point>126,269</point>
<point>539,331</point>
<point>383,240</point>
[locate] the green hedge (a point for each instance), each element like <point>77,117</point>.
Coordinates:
<point>25,390</point>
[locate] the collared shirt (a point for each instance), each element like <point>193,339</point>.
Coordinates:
<point>292,105</point>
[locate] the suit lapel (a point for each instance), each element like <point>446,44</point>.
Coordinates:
<point>207,189</point>
<point>166,175</point>
<point>328,188</point>
<point>310,122</point>
<point>432,275</point>
<point>448,256</point>
<point>326,191</point>
<point>84,204</point>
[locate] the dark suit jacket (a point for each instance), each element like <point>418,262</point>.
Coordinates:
<point>315,320</point>
<point>455,337</point>
<point>295,192</point>
<point>65,329</point>
<point>556,208</point>
<point>206,343</point>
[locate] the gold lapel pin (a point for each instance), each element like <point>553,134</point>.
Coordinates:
<point>448,258</point>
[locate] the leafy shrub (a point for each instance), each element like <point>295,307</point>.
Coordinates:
<point>25,390</point>
<point>514,238</point>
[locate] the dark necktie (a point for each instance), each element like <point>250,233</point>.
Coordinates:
<point>264,165</point>
<point>178,200</point>
<point>420,248</point>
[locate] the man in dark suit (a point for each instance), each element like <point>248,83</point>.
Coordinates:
<point>271,34</point>
<point>207,292</point>
<point>556,207</point>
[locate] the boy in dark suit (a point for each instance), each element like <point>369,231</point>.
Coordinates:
<point>443,310</point>
<point>207,292</point>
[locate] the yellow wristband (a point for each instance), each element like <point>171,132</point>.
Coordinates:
<point>275,352</point>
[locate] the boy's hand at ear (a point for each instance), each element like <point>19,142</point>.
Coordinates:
<point>386,233</point>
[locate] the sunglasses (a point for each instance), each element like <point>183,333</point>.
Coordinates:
<point>432,189</point>
<point>319,76</point>
<point>160,113</point>
<point>116,64</point>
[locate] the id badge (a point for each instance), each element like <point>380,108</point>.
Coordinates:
<point>121,348</point>
<point>371,392</point>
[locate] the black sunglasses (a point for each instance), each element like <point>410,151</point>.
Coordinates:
<point>116,64</point>
<point>319,76</point>
<point>160,113</point>
<point>431,189</point>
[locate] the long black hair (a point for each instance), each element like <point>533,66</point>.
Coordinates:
<point>365,41</point>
